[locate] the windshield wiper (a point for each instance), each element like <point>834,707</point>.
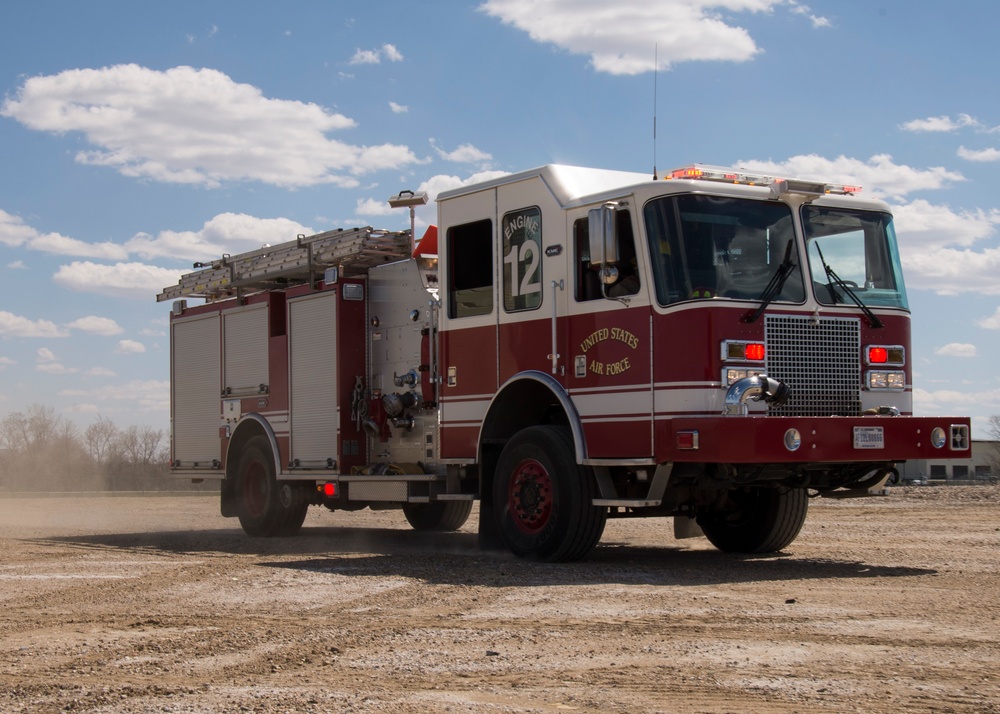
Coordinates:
<point>842,284</point>
<point>786,268</point>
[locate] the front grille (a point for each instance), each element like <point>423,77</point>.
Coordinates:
<point>819,360</point>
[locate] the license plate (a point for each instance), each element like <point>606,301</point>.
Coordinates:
<point>869,437</point>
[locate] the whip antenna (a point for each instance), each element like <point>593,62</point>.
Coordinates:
<point>656,68</point>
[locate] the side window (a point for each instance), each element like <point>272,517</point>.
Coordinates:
<point>522,259</point>
<point>588,282</point>
<point>470,269</point>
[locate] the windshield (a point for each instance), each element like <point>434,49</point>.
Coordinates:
<point>714,246</point>
<point>859,247</point>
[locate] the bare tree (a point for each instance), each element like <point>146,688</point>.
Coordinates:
<point>99,438</point>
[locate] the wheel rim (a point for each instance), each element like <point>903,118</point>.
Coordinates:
<point>255,488</point>
<point>530,497</point>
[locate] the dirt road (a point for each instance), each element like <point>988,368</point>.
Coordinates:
<point>133,604</point>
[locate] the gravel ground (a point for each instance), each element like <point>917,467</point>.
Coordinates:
<point>158,604</point>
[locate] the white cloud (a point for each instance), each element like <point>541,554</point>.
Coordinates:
<point>366,57</point>
<point>16,233</point>
<point>196,126</point>
<point>6,362</point>
<point>48,363</point>
<point>466,154</point>
<point>96,325</point>
<point>992,322</point>
<point>941,124</point>
<point>17,265</point>
<point>225,233</point>
<point>391,53</point>
<point>948,271</point>
<point>100,372</point>
<point>387,52</point>
<point>619,37</point>
<point>82,409</point>
<point>129,280</point>
<point>816,20</point>
<point>13,230</point>
<point>427,214</point>
<point>943,250</point>
<point>12,325</point>
<point>129,347</point>
<point>922,225</point>
<point>990,154</point>
<point>373,207</point>
<point>55,368</point>
<point>951,401</point>
<point>956,349</point>
<point>151,396</point>
<point>879,176</point>
<point>398,108</point>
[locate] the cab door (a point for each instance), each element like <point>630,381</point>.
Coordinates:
<point>468,337</point>
<point>609,342</point>
<point>531,274</point>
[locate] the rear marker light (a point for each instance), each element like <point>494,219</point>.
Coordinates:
<point>330,490</point>
<point>687,441</point>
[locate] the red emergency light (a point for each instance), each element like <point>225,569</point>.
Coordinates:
<point>878,355</point>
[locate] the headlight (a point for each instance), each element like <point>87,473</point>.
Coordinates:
<point>886,380</point>
<point>734,374</point>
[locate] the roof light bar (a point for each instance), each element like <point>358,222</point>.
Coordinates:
<point>778,185</point>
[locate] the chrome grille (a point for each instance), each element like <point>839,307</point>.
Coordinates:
<point>819,360</point>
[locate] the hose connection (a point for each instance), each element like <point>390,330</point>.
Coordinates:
<point>759,388</point>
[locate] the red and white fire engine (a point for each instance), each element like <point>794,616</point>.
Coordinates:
<point>569,345</point>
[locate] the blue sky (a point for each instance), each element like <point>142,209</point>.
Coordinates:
<point>137,138</point>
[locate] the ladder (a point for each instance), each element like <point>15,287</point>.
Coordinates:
<point>352,252</point>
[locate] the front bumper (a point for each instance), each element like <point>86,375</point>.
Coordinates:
<point>835,440</point>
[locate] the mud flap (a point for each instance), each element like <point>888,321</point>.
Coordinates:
<point>489,529</point>
<point>227,498</point>
<point>685,527</point>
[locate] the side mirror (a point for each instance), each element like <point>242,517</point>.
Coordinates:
<point>603,238</point>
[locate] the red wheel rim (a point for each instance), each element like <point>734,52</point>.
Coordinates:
<point>255,488</point>
<point>530,497</point>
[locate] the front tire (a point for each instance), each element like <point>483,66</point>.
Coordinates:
<point>264,508</point>
<point>757,520</point>
<point>543,500</point>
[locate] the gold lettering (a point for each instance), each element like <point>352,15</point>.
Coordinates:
<point>593,338</point>
<point>618,367</point>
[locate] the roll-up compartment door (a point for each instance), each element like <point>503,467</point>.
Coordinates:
<point>195,381</point>
<point>312,366</point>
<point>245,338</point>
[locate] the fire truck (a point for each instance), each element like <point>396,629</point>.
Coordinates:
<point>567,345</point>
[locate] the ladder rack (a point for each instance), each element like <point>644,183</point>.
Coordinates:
<point>352,252</point>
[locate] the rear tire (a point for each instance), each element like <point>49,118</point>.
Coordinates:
<point>438,516</point>
<point>265,508</point>
<point>758,520</point>
<point>543,500</point>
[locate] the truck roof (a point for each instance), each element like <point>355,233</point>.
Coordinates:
<point>577,185</point>
<point>568,184</point>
